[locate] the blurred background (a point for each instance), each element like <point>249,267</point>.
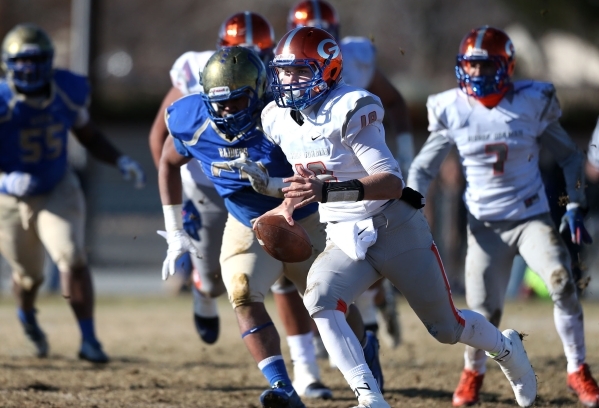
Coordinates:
<point>128,47</point>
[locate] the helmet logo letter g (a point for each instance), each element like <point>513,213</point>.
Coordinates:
<point>334,49</point>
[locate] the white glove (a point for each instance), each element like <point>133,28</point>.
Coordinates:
<point>17,183</point>
<point>259,178</point>
<point>178,244</point>
<point>131,169</point>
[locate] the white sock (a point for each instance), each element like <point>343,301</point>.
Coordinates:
<point>475,360</point>
<point>361,381</point>
<point>301,349</point>
<point>339,340</point>
<point>204,306</point>
<point>481,334</point>
<point>571,331</point>
<point>366,306</point>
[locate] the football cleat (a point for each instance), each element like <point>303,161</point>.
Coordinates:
<point>315,390</point>
<point>204,310</point>
<point>467,391</point>
<point>372,401</point>
<point>584,386</point>
<point>92,352</point>
<point>517,368</point>
<point>38,338</point>
<point>371,354</point>
<point>277,397</point>
<point>207,327</point>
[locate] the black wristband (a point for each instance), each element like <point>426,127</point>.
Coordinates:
<point>351,190</point>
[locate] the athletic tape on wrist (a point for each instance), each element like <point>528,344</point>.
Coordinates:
<point>351,190</point>
<point>256,329</point>
<point>173,220</point>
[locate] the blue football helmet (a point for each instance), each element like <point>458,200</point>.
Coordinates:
<point>27,56</point>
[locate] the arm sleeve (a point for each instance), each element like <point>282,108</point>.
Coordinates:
<point>568,156</point>
<point>372,152</point>
<point>427,162</point>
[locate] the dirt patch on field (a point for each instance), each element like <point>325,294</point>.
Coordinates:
<point>159,361</point>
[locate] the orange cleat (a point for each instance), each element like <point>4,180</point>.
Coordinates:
<point>466,393</point>
<point>584,385</point>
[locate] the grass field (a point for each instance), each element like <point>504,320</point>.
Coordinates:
<point>159,361</point>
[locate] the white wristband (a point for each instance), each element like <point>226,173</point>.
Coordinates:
<point>571,206</point>
<point>173,220</point>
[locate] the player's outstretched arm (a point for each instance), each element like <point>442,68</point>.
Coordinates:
<point>159,132</point>
<point>101,148</point>
<point>171,192</point>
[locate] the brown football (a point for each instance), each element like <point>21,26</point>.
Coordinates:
<point>282,241</point>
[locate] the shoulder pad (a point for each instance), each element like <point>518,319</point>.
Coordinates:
<point>359,61</point>
<point>360,48</point>
<point>538,99</point>
<point>186,116</point>
<point>6,95</point>
<point>353,109</point>
<point>75,87</point>
<point>185,72</point>
<point>268,116</point>
<point>447,110</point>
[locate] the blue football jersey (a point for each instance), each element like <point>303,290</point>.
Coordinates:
<point>196,136</point>
<point>34,132</point>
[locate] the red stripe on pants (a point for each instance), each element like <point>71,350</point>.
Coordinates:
<point>459,318</point>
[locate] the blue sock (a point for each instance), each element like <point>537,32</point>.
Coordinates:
<point>27,317</point>
<point>87,330</point>
<point>273,369</point>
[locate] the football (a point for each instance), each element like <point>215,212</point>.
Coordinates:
<point>282,241</point>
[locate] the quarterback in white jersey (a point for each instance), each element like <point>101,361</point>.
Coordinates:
<point>253,31</point>
<point>377,305</point>
<point>498,127</point>
<point>592,168</point>
<point>332,135</point>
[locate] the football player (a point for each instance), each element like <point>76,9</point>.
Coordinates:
<point>217,128</point>
<point>42,207</point>
<point>498,127</point>
<point>332,134</point>
<point>360,70</point>
<point>253,31</point>
<point>592,167</point>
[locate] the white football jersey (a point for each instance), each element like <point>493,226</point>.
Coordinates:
<point>498,147</point>
<point>593,154</point>
<point>185,76</point>
<point>359,63</point>
<point>322,145</point>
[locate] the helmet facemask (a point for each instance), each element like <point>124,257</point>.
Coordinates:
<point>230,74</point>
<point>481,86</point>
<point>27,56</point>
<point>239,122</point>
<point>298,95</point>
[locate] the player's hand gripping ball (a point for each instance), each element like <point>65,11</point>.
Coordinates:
<point>282,241</point>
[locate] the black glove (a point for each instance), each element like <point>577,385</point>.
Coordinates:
<point>413,197</point>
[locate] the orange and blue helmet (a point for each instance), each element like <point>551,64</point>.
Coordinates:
<point>486,44</point>
<point>306,47</point>
<point>314,13</point>
<point>250,30</point>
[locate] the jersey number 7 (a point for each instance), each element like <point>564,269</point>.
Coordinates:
<point>500,151</point>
